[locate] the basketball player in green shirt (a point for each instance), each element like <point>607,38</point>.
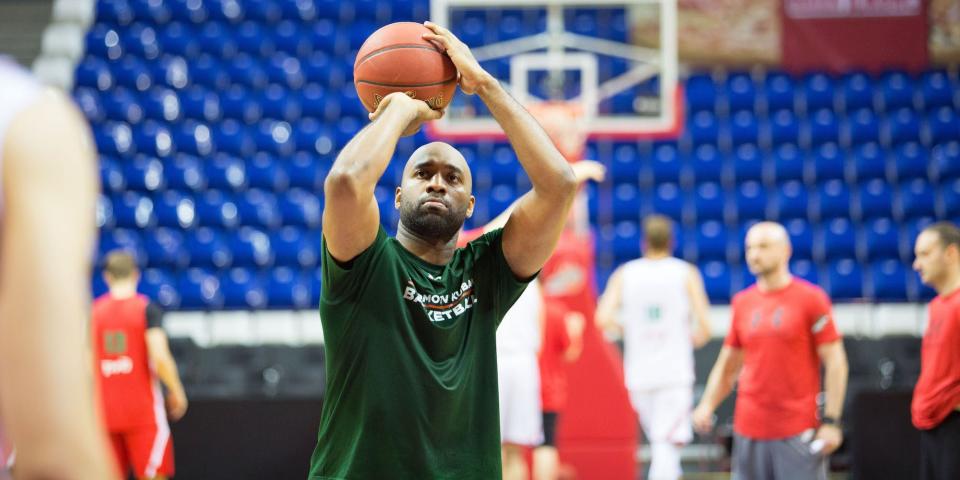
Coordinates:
<point>410,322</point>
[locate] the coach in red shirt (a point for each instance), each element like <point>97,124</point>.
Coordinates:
<point>936,397</point>
<point>132,358</point>
<point>782,329</point>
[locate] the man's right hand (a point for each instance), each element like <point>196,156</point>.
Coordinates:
<point>703,419</point>
<point>413,112</point>
<point>176,405</point>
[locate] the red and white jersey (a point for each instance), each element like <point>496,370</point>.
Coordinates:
<point>128,386</point>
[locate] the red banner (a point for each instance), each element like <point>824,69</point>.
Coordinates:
<point>840,35</point>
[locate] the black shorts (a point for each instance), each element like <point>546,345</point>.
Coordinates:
<point>939,449</point>
<point>549,429</point>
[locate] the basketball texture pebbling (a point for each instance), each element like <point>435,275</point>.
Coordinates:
<point>396,58</point>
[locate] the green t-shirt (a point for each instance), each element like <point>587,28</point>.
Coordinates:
<point>411,363</point>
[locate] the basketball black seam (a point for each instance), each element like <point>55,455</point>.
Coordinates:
<point>395,47</point>
<point>414,85</point>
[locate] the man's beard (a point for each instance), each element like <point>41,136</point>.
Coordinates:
<point>433,226</point>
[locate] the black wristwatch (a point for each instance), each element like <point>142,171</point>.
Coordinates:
<point>829,421</point>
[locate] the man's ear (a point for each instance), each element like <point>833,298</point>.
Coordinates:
<point>473,203</point>
<point>396,199</point>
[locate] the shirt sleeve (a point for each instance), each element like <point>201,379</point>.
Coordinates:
<point>344,280</point>
<point>154,316</point>
<point>733,338</point>
<point>822,326</point>
<point>506,286</point>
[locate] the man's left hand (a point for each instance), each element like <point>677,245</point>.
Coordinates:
<point>473,77</point>
<point>832,437</point>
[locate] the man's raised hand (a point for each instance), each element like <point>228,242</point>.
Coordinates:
<point>473,77</point>
<point>412,112</point>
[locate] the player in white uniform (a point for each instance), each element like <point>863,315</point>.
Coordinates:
<point>48,188</point>
<point>659,305</point>
<point>518,341</point>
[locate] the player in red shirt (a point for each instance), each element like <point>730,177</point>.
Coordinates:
<point>782,329</point>
<point>936,398</point>
<point>132,353</point>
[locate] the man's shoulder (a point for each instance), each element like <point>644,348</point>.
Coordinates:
<point>806,289</point>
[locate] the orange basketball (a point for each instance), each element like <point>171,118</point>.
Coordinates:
<point>396,58</point>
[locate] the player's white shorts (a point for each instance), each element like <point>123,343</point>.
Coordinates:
<point>665,414</point>
<point>521,421</point>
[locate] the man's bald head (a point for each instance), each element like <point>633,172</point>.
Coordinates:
<point>434,195</point>
<point>767,248</point>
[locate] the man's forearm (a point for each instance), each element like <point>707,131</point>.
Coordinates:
<point>835,389</point>
<point>719,385</point>
<point>548,171</point>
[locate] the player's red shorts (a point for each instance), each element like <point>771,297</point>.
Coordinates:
<point>147,450</point>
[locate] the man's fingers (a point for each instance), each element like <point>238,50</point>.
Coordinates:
<point>436,28</point>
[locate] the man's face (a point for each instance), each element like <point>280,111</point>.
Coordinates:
<point>766,249</point>
<point>434,195</point>
<point>931,261</point>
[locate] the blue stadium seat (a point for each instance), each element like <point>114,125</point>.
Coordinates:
<point>153,138</point>
<point>503,166</point>
<point>701,93</point>
<point>823,127</point>
<point>215,208</point>
<point>104,213</point>
<point>832,200</point>
<point>789,163</point>
<point>779,91</point>
<point>501,196</point>
<point>791,202</point>
<point>164,248</point>
<point>896,89</point>
<point>92,75</point>
<point>346,129</point>
<point>183,172</point>
<point>238,103</point>
<point>140,40</point>
<point>161,104</point>
<point>225,172</point>
<point>114,138</point>
<point>711,241</point>
<point>132,210</point>
<point>193,138</point>
<point>264,171</point>
<point>177,38</point>
<point>863,127</point>
<point>321,36</point>
<point>250,248</point>
<point>667,200</point>
<point>916,200</point>
<point>744,128</point>
<point>869,162</point>
<point>258,208</point>
<point>741,277</point>
<point>912,231</point>
<point>626,241</point>
<point>889,279</point>
<point>299,208</point>
<point>279,104</point>
<point>829,163</point>
<point>946,161</point>
<point>857,91</point>
<point>944,125</point>
<point>207,71</point>
<point>292,247</point>
<point>175,210</point>
<point>741,93</point>
<point>751,202</point>
<point>717,281</point>
<point>208,248</point>
<point>709,202</point>
<point>282,69</point>
<point>625,165</point>
<point>707,164</point>
<point>312,136</point>
<point>121,105</point>
<point>160,287</point>
<point>784,128</point>
<point>845,279</point>
<point>666,164</point>
<point>881,240</point>
<point>951,199</point>
<point>103,41</point>
<point>170,71</point>
<point>837,240</point>
<point>704,128</point>
<point>216,40</point>
<point>875,200</point>
<point>626,203</point>
<point>806,270</point>
<point>289,38</point>
<point>264,12</point>
<point>306,171</point>
<point>801,238</point>
<point>128,240</point>
<point>937,90</point>
<point>818,92</point>
<point>903,125</point>
<point>359,32</point>
<point>113,12</point>
<point>199,290</point>
<point>144,173</point>
<point>246,70</point>
<point>288,288</point>
<point>910,161</point>
<point>132,73</point>
<point>749,164</point>
<point>111,176</point>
